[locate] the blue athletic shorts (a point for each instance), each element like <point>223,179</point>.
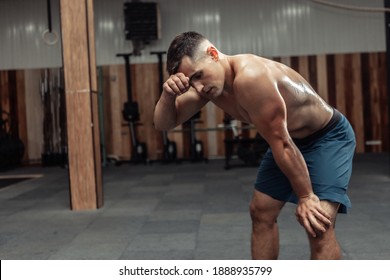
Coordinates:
<point>328,154</point>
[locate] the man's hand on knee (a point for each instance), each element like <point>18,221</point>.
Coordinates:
<point>312,216</point>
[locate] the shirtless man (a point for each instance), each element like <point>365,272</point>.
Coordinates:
<point>311,144</point>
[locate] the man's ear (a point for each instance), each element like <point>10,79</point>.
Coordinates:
<point>213,52</point>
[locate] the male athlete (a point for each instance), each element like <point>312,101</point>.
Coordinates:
<point>311,144</point>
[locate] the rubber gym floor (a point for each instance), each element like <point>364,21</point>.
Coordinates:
<point>177,211</point>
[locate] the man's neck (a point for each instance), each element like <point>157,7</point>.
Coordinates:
<point>228,65</point>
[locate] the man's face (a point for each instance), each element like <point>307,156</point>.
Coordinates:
<point>204,74</point>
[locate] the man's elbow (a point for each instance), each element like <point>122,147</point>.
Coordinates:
<point>157,125</point>
<point>163,122</point>
<point>161,126</point>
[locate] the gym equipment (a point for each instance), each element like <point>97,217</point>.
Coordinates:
<point>11,147</point>
<point>196,146</point>
<point>54,151</point>
<point>251,150</point>
<point>169,147</point>
<point>130,112</point>
<point>248,150</point>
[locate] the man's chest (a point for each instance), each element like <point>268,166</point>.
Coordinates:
<point>231,105</point>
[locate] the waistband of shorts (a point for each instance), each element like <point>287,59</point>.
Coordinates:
<point>336,117</point>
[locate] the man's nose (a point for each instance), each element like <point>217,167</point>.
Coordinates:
<point>198,87</point>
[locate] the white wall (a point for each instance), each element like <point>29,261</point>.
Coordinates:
<point>264,27</point>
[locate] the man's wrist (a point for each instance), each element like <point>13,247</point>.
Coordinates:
<point>306,196</point>
<point>169,96</point>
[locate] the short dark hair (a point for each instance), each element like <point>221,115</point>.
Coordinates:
<point>182,45</point>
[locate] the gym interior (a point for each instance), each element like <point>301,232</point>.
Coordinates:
<point>85,175</point>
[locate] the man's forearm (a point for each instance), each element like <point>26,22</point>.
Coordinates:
<point>165,112</point>
<point>293,165</point>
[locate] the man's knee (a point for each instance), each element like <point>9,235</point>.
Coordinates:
<point>264,210</point>
<point>325,246</point>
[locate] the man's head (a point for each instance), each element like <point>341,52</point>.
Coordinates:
<point>197,58</point>
<point>185,44</point>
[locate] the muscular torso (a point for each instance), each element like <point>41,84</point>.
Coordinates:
<point>307,112</point>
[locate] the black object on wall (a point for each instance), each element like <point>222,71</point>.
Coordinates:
<point>142,21</point>
<point>131,115</point>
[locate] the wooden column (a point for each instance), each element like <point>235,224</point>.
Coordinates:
<point>78,46</point>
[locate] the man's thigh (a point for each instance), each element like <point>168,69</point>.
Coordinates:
<point>331,208</point>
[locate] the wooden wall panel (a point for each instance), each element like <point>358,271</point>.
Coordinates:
<point>322,77</point>
<point>212,122</point>
<point>125,139</point>
<point>340,82</point>
<point>34,114</point>
<point>286,60</point>
<point>115,76</point>
<point>378,101</point>
<point>303,67</point>
<point>203,136</point>
<point>346,94</point>
<point>331,79</point>
<point>382,85</point>
<point>375,102</point>
<point>145,90</point>
<point>365,78</point>
<point>220,134</point>
<point>357,109</point>
<point>4,91</point>
<point>312,72</point>
<point>354,99</point>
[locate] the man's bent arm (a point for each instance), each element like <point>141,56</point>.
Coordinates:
<point>165,112</point>
<point>286,154</point>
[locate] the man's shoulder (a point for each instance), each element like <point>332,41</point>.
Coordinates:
<point>251,69</point>
<point>247,59</point>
